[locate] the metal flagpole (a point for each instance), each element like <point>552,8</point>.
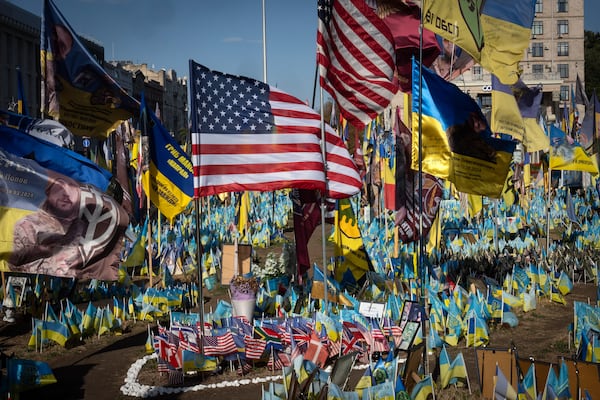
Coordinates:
<point>421,264</point>
<point>323,206</point>
<point>264,34</point>
<point>199,266</point>
<point>548,206</point>
<point>144,148</point>
<point>548,198</point>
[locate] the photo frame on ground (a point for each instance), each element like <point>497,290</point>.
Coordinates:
<point>411,311</point>
<point>408,334</point>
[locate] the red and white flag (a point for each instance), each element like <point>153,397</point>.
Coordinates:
<point>247,135</point>
<point>356,59</point>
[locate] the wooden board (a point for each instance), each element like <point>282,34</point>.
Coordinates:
<point>228,268</point>
<point>487,359</point>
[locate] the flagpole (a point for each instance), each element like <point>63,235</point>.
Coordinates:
<point>264,34</point>
<point>421,267</point>
<point>199,266</point>
<point>143,152</point>
<point>264,42</point>
<point>548,203</point>
<point>323,206</point>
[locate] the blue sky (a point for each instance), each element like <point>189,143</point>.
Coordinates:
<point>224,35</point>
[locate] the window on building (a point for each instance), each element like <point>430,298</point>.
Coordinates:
<point>485,100</point>
<point>564,93</point>
<point>563,48</point>
<point>563,27</point>
<point>539,6</point>
<point>477,72</point>
<point>563,6</point>
<point>537,28</point>
<point>563,70</point>
<point>537,69</point>
<point>537,49</point>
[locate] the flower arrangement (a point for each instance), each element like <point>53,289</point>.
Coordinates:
<point>274,266</point>
<point>243,288</point>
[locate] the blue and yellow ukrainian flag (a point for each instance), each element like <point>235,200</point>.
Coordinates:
<point>495,32</point>
<point>444,364</point>
<point>506,31</point>
<point>506,117</point>
<point>568,156</point>
<point>447,111</point>
<point>24,375</point>
<point>169,180</point>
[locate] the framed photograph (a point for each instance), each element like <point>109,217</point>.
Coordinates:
<point>408,334</point>
<point>410,311</point>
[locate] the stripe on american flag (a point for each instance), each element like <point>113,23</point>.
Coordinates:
<point>248,135</point>
<point>254,347</point>
<point>355,54</point>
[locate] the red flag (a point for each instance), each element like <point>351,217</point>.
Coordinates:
<point>307,216</point>
<point>404,25</point>
<point>355,55</point>
<point>260,138</point>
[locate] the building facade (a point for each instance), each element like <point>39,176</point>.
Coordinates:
<point>553,59</point>
<point>172,104</point>
<point>20,49</point>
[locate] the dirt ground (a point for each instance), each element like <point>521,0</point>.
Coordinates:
<point>96,368</point>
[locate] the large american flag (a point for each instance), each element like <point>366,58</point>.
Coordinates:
<point>356,58</point>
<point>247,135</point>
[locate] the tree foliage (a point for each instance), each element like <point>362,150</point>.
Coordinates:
<point>592,62</point>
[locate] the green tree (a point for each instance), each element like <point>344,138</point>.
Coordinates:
<point>592,62</point>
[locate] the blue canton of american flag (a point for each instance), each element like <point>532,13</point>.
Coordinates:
<point>247,135</point>
<point>225,104</point>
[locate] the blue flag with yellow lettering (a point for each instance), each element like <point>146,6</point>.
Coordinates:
<point>168,177</point>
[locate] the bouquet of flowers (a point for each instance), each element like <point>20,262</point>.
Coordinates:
<point>274,267</point>
<point>243,288</point>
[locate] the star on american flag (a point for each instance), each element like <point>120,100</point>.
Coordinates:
<point>226,105</point>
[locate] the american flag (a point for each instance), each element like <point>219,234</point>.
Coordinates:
<point>254,347</point>
<point>356,58</point>
<point>175,377</point>
<point>163,366</point>
<point>190,346</point>
<point>334,347</point>
<point>243,368</point>
<point>247,135</point>
<point>219,345</point>
<point>275,363</point>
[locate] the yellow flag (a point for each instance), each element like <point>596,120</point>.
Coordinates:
<point>348,242</point>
